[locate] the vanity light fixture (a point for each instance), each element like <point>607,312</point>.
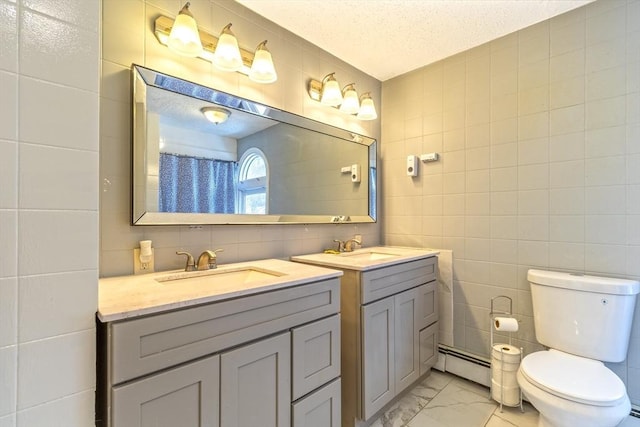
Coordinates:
<point>216,115</point>
<point>262,68</point>
<point>227,55</point>
<point>222,51</point>
<point>350,101</point>
<point>328,92</point>
<point>367,108</point>
<point>184,38</point>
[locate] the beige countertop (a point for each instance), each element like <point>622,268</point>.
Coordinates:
<point>131,296</point>
<point>367,258</point>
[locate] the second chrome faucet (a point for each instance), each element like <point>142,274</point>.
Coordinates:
<point>208,260</point>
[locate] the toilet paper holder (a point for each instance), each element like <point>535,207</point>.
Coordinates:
<point>493,314</point>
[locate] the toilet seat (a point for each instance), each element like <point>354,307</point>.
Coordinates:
<point>574,378</point>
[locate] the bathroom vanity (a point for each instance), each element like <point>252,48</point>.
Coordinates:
<point>389,313</point>
<point>247,344</point>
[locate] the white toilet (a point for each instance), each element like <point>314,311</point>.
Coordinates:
<point>585,321</point>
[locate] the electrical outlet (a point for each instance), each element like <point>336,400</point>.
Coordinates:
<point>138,267</point>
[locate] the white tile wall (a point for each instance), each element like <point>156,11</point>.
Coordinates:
<point>48,211</point>
<point>557,187</point>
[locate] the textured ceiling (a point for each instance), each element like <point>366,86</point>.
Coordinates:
<point>386,38</point>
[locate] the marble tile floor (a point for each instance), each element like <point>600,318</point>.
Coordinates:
<point>446,400</point>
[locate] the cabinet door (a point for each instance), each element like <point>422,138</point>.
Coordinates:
<point>187,396</point>
<point>406,344</point>
<point>316,355</point>
<point>378,386</point>
<point>256,384</point>
<point>319,409</point>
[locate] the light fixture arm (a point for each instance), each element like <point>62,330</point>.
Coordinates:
<point>185,10</point>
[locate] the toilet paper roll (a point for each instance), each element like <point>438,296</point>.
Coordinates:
<point>510,396</point>
<point>505,324</point>
<point>507,353</point>
<point>504,378</point>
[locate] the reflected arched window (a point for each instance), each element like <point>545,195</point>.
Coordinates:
<point>253,182</point>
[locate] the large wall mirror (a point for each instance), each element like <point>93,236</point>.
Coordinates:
<point>202,156</point>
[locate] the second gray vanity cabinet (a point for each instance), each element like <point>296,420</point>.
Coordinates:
<point>187,396</point>
<point>257,384</point>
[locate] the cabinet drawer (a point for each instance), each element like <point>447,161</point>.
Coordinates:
<point>149,344</point>
<point>380,283</point>
<point>428,348</point>
<point>428,304</point>
<point>320,409</point>
<point>316,355</point>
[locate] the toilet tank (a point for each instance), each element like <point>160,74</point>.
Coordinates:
<point>588,316</point>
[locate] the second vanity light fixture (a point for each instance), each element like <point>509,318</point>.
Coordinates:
<point>328,92</point>
<point>183,37</point>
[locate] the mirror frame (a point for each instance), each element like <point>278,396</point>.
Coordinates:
<point>143,77</point>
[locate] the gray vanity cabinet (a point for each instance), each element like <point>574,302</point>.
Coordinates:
<point>232,363</point>
<point>389,333</point>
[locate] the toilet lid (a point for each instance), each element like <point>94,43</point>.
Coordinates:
<point>574,378</point>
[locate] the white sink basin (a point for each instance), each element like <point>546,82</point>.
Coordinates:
<point>240,276</point>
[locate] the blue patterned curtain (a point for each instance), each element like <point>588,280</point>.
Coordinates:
<point>191,184</point>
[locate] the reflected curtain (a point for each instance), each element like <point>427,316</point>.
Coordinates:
<point>191,184</point>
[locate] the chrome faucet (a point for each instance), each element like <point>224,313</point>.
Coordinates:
<point>191,265</point>
<point>348,245</point>
<point>208,260</point>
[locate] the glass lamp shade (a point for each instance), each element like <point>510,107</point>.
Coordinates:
<point>262,68</point>
<point>227,55</point>
<point>350,103</point>
<point>184,38</point>
<point>367,109</point>
<point>331,94</point>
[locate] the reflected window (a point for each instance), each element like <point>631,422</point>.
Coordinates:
<point>253,182</point>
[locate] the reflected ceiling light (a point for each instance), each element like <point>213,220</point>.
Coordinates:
<point>227,54</point>
<point>184,38</point>
<point>216,115</point>
<point>330,94</point>
<point>350,102</point>
<point>367,108</point>
<point>262,69</point>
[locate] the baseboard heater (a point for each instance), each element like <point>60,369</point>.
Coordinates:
<point>475,368</point>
